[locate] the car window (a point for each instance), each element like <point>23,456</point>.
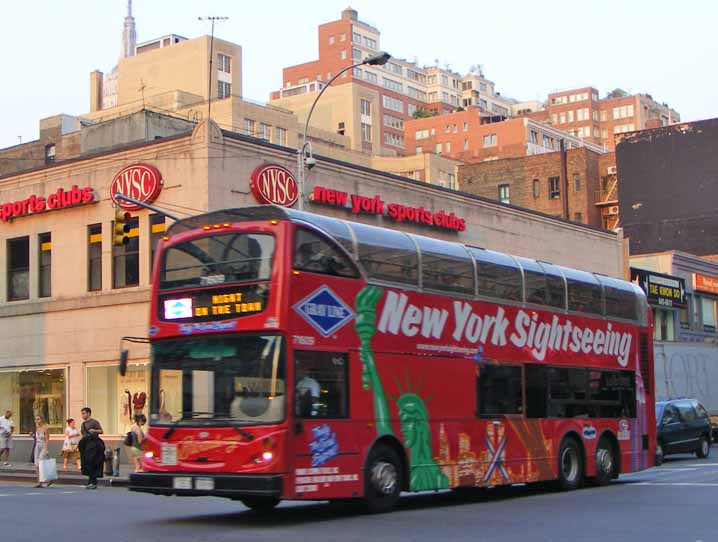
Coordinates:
<point>700,410</point>
<point>670,414</point>
<point>686,411</point>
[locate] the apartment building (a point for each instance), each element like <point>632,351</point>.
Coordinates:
<point>471,136</point>
<point>582,113</point>
<point>369,103</point>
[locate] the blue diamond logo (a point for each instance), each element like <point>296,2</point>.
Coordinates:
<point>324,311</point>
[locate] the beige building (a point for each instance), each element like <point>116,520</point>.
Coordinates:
<point>67,295</point>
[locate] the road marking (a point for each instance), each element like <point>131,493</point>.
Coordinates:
<point>33,493</point>
<point>5,495</point>
<point>68,492</point>
<point>678,469</point>
<point>700,484</point>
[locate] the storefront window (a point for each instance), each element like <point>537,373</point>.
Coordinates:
<point>34,393</point>
<point>708,313</point>
<point>115,399</point>
<point>663,329</point>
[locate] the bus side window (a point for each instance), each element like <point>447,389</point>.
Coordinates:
<point>321,384</point>
<point>315,254</point>
<point>499,390</point>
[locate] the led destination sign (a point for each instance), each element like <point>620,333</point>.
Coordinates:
<point>212,305</point>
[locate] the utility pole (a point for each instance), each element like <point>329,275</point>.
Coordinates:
<point>212,18</point>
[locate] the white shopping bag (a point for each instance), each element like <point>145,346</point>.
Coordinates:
<point>48,470</point>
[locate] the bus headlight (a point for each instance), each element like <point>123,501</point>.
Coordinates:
<point>149,455</point>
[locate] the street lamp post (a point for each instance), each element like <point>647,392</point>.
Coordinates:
<point>303,160</point>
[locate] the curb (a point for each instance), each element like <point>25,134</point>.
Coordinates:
<point>72,481</point>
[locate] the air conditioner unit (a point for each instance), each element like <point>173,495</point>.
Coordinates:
<point>613,210</point>
<point>611,170</point>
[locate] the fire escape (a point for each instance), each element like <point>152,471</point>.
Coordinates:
<point>607,199</point>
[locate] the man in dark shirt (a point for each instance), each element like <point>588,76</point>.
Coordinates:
<point>92,449</point>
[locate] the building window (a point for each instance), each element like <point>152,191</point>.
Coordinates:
<point>265,131</point>
<point>18,269</point>
<point>604,116</point>
<point>393,139</point>
<point>365,107</point>
<point>356,72</point>
<point>447,146</point>
<point>331,40</point>
<point>537,188</point>
<point>30,393</point>
<point>341,128</point>
<point>663,325</point>
<point>106,388</point>
<point>44,241</point>
<point>392,103</point>
<point>466,144</point>
<point>489,140</point>
<point>280,136</point>
<point>437,148</point>
<point>393,85</point>
<point>570,115</point>
<point>708,314</point>
<point>126,258</point>
<point>356,54</point>
<point>157,231</point>
<point>451,178</point>
<point>49,153</point>
<point>370,43</point>
<point>395,122</point>
<point>504,193</point>
<point>554,187</point>
<point>466,126</point>
<point>366,132</point>
<point>224,63</point>
<point>370,77</point>
<point>94,257</point>
<point>249,126</point>
<point>356,37</point>
<point>576,182</point>
<point>533,137</point>
<point>342,37</point>
<point>343,54</point>
<point>224,89</point>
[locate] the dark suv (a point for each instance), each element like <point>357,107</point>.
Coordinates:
<point>683,427</point>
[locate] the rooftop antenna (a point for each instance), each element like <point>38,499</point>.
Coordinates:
<point>212,18</point>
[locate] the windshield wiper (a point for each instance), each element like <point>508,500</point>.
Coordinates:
<point>245,434</point>
<point>176,423</point>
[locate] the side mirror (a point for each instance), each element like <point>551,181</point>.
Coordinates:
<point>123,362</point>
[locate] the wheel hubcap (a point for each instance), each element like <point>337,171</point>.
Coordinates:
<point>704,447</point>
<point>569,464</point>
<point>604,460</point>
<point>384,477</point>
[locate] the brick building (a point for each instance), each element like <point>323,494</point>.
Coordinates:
<point>540,183</point>
<point>471,136</point>
<point>581,113</point>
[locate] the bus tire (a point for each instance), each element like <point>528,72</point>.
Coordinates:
<point>382,479</point>
<point>260,504</point>
<point>570,465</point>
<point>606,462</point>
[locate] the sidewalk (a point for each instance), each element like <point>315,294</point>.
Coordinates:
<point>25,472</point>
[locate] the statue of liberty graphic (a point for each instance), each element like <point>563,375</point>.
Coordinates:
<point>413,414</point>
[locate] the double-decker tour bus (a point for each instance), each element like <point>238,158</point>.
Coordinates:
<point>298,356</point>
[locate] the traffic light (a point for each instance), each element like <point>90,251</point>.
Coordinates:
<point>122,228</point>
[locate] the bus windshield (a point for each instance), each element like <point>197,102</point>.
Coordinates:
<point>199,381</point>
<point>224,258</point>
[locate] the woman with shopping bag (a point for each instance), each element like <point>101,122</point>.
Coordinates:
<point>45,467</point>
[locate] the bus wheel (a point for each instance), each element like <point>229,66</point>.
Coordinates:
<point>382,480</point>
<point>570,465</point>
<point>260,504</point>
<point>605,462</point>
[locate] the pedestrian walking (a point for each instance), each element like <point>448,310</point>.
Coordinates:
<point>70,450</point>
<point>133,442</point>
<point>92,448</point>
<point>7,428</point>
<point>42,450</point>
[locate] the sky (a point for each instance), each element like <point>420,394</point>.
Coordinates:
<point>528,48</point>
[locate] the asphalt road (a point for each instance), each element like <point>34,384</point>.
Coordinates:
<point>675,503</point>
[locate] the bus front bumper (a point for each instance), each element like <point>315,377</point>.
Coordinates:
<point>232,486</point>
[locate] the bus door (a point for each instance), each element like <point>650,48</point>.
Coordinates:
<point>325,450</point>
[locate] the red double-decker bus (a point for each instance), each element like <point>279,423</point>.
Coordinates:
<point>298,356</point>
